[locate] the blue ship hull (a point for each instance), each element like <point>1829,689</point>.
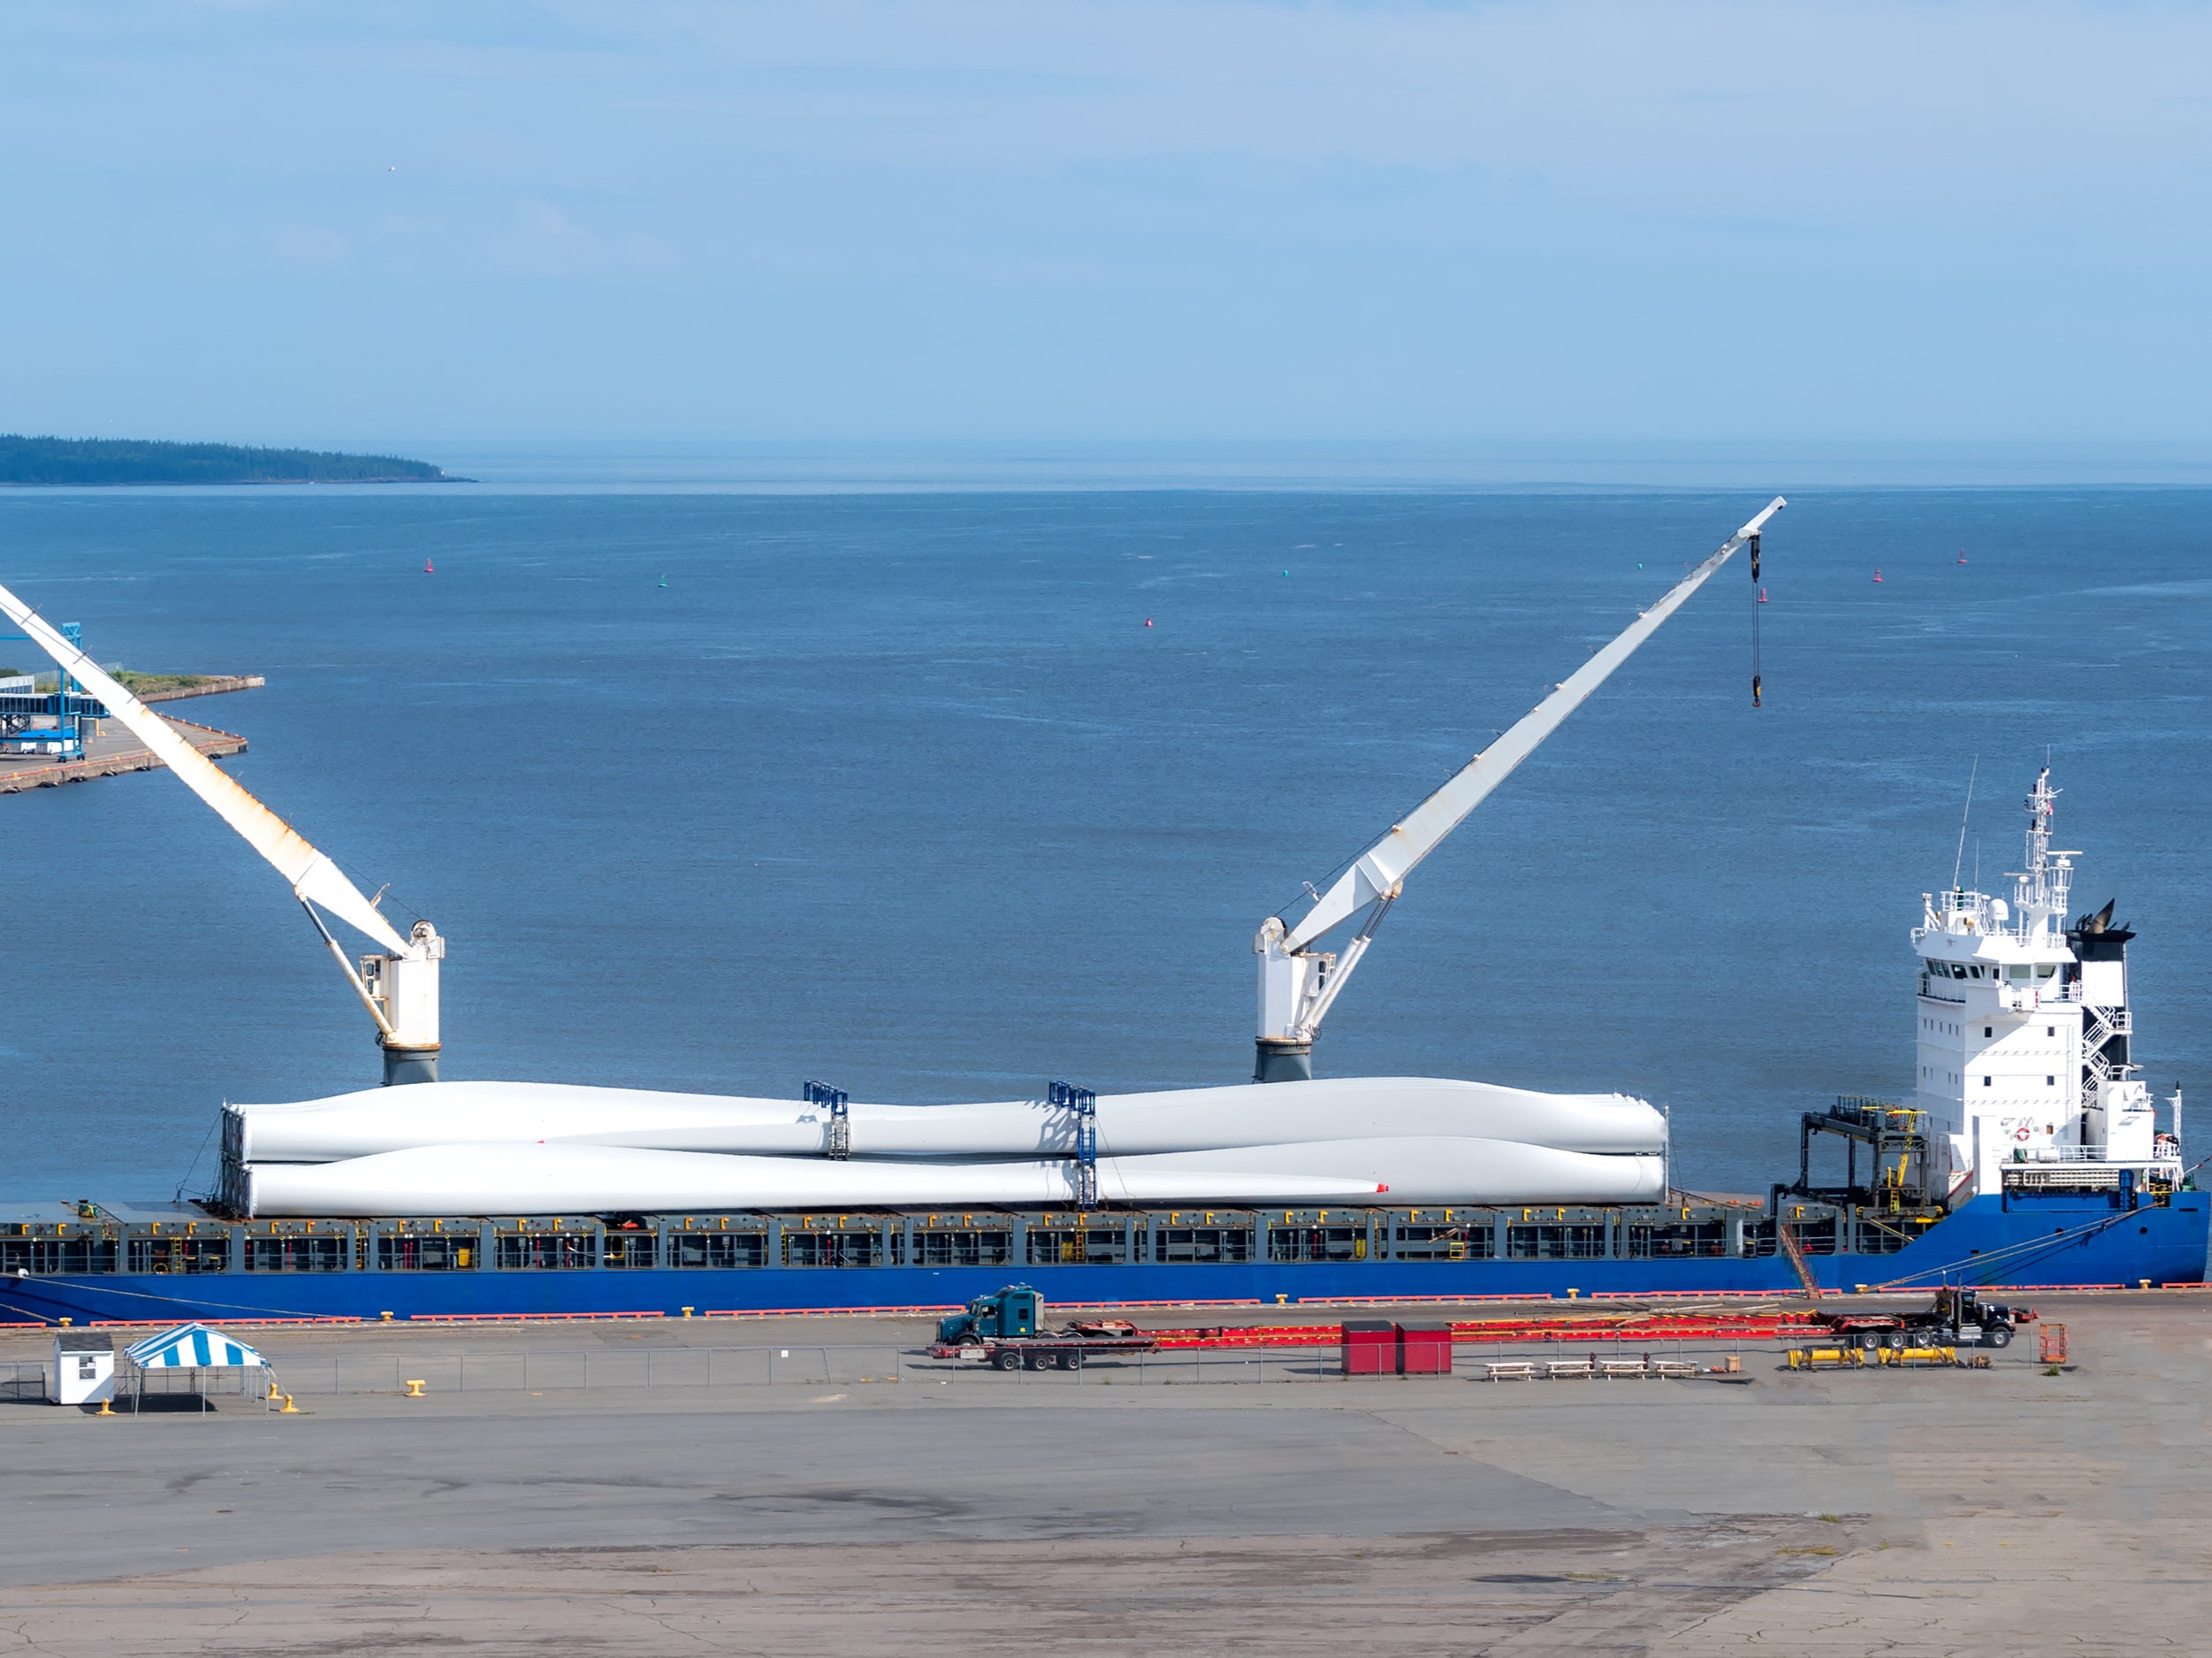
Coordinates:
<point>2027,1240</point>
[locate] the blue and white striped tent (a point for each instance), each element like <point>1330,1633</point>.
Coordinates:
<point>193,1346</point>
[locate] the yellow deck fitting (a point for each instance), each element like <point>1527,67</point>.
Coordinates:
<point>414,1388</point>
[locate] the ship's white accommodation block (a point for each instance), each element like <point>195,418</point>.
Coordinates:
<point>2024,1026</point>
<point>2000,1039</point>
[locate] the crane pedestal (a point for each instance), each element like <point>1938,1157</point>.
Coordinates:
<point>409,1064</point>
<point>1283,1059</point>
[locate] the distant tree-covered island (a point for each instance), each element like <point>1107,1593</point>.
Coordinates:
<point>134,461</point>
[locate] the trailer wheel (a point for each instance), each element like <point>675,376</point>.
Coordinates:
<point>1070,1361</point>
<point>1040,1361</point>
<point>1997,1335</point>
<point>1006,1358</point>
<point>1894,1341</point>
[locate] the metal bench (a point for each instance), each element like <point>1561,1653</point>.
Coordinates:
<point>1613,1367</point>
<point>1565,1369</point>
<point>1677,1368</point>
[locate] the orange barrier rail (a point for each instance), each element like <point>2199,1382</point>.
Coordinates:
<point>1690,1328</point>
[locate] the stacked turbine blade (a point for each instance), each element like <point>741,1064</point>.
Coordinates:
<point>509,1148</point>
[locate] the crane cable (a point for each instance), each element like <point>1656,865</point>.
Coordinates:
<point>1758,595</point>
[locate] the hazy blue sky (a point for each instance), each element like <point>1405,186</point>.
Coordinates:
<point>1011,219</point>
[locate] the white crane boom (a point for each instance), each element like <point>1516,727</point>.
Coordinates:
<point>400,990</point>
<point>1298,985</point>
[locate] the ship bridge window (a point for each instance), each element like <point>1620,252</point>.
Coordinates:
<point>1444,1243</point>
<point>542,1251</point>
<point>718,1248</point>
<point>1078,1246</point>
<point>179,1254</point>
<point>1679,1239</point>
<point>854,1247</point>
<point>434,1251</point>
<point>1957,971</point>
<point>39,1256</point>
<point>296,1254</point>
<point>2019,971</point>
<point>1316,1243</point>
<point>1174,1244</point>
<point>987,1246</point>
<point>2046,970</point>
<point>1555,1242</point>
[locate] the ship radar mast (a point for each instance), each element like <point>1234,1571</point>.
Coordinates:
<point>2040,889</point>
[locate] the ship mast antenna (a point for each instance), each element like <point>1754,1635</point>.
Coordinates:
<point>1959,862</point>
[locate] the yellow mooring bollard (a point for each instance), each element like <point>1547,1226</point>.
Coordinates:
<point>414,1389</point>
<point>103,1410</point>
<point>290,1409</point>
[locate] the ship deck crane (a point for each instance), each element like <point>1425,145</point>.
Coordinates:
<point>399,986</point>
<point>1298,984</point>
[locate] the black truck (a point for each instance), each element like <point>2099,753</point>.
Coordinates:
<point>1956,1318</point>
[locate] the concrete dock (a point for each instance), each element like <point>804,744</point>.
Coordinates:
<point>115,751</point>
<point>836,1512</point>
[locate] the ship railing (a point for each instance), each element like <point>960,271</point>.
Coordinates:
<point>2081,1154</point>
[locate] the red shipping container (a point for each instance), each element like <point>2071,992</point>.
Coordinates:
<point>1424,1350</point>
<point>1369,1347</point>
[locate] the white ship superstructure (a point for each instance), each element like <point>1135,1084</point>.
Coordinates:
<point>2023,1034</point>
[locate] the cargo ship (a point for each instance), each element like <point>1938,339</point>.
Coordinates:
<point>2029,1155</point>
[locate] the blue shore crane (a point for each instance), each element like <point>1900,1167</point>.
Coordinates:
<point>52,726</point>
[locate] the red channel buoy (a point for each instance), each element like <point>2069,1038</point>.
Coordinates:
<point>427,570</point>
<point>1148,622</point>
<point>1877,575</point>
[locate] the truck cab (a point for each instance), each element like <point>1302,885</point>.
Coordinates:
<point>1014,1311</point>
<point>1964,1314</point>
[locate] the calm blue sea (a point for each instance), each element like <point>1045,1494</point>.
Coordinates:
<point>900,792</point>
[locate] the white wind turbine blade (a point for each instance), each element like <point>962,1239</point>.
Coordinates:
<point>313,877</point>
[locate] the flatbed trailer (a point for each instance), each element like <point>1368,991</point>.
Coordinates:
<point>1007,1329</point>
<point>1041,1352</point>
<point>1956,1317</point>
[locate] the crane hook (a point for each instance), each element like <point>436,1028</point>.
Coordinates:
<point>1757,594</point>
